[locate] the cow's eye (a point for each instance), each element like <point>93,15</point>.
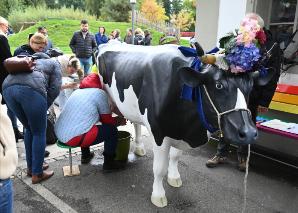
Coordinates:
<point>218,85</point>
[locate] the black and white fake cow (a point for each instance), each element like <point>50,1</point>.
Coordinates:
<point>145,83</point>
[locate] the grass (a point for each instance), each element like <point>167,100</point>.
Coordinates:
<point>61,31</point>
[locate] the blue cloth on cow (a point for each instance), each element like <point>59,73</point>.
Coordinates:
<point>188,93</point>
<point>188,52</point>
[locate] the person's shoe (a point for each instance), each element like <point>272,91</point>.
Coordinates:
<point>111,165</point>
<point>18,135</point>
<point>214,161</point>
<point>46,154</point>
<point>45,166</point>
<point>42,177</point>
<point>87,159</point>
<point>242,164</point>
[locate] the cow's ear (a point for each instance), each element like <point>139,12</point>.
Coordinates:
<point>190,77</point>
<point>261,79</point>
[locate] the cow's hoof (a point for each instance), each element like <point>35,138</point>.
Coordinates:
<point>159,201</point>
<point>140,151</point>
<point>175,182</point>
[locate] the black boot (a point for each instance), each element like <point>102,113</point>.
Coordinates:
<point>86,155</point>
<point>18,135</point>
<point>110,164</point>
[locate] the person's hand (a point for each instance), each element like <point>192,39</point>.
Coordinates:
<point>120,121</point>
<point>262,109</point>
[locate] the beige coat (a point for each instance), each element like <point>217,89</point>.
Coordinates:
<point>8,149</point>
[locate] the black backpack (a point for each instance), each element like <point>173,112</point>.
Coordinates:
<point>51,137</point>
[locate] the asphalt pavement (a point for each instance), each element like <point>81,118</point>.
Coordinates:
<point>271,187</point>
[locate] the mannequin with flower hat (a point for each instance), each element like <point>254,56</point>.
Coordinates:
<point>242,53</point>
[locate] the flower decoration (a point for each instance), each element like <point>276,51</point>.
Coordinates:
<point>242,48</point>
<point>242,58</point>
<point>261,37</point>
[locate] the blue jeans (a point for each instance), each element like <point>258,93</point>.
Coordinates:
<point>107,133</point>
<point>6,196</point>
<point>86,64</point>
<point>30,108</point>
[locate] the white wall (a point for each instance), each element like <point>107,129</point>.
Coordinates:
<point>207,23</point>
<point>215,18</point>
<point>231,12</point>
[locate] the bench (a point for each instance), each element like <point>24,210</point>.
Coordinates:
<point>284,107</point>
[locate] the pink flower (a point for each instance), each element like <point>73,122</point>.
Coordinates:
<point>247,31</point>
<point>236,69</point>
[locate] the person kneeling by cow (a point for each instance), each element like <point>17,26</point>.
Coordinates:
<point>77,127</point>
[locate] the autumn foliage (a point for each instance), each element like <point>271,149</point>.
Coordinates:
<point>153,11</point>
<point>182,20</point>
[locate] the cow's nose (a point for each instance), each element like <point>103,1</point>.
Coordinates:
<point>248,134</point>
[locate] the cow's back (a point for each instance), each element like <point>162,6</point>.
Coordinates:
<point>152,72</point>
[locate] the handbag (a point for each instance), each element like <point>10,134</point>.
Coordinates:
<point>19,64</point>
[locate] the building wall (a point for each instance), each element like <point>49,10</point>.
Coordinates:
<point>263,9</point>
<point>207,23</point>
<point>215,18</point>
<point>231,12</point>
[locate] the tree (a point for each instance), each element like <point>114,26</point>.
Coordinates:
<point>115,10</point>
<point>176,6</point>
<point>53,4</point>
<point>190,6</point>
<point>75,4</point>
<point>153,11</point>
<point>6,6</point>
<point>33,3</point>
<point>94,6</point>
<point>182,20</point>
<point>167,5</point>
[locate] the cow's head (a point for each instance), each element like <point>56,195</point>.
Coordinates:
<point>228,94</point>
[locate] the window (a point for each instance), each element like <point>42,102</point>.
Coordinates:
<point>283,19</point>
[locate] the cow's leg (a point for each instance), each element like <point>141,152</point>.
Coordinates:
<point>160,165</point>
<point>173,173</point>
<point>139,145</point>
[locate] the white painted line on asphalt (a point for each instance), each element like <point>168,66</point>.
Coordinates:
<point>49,196</point>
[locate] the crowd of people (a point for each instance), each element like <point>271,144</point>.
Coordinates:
<point>29,95</point>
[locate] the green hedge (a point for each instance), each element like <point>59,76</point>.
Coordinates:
<point>61,31</point>
<point>31,14</point>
